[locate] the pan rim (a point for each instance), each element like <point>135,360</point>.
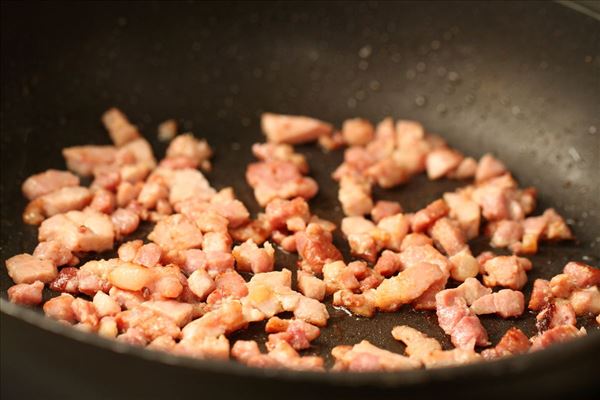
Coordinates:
<point>507,367</point>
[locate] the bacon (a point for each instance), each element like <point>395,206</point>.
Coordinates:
<point>365,357</point>
<point>540,295</point>
<point>513,342</point>
<point>559,334</point>
<point>355,195</point>
<point>105,305</point>
<point>176,232</point>
<point>506,303</point>
<point>86,230</point>
<point>180,313</point>
<point>189,183</point>
<point>384,209</point>
<point>426,253</point>
<point>118,127</point>
<point>249,257</point>
<point>151,193</point>
<point>415,239</point>
<point>201,284</point>
<point>223,320</point>
<point>357,131</point>
<point>395,227</point>
<point>362,304</point>
<point>85,312</point>
<point>507,271</point>
<point>465,170</point>
<point>463,265</point>
<point>489,167</point>
<point>333,142</point>
<point>418,345</point>
<point>448,236</point>
<point>124,221</point>
<point>555,314</point>
<point>83,159</point>
<point>28,294</point>
<point>280,152</point>
<point>297,333</point>
<point>217,242</point>
<point>311,286</point>
<point>281,355</point>
<point>25,268</point>
<point>60,309</point>
<point>440,162</point>
<point>465,211</point>
<point>315,248</point>
<point>66,281</point>
<point>389,172</point>
<point>47,182</point>
<point>582,275</point>
<point>107,327</point>
<point>426,217</point>
<point>505,233</point>
<point>338,276</point>
<point>407,285</point>
<point>586,301</point>
<point>293,129</point>
<point>55,252</point>
<point>129,276</point>
<point>228,284</point>
<point>292,215</point>
<point>149,323</point>
<point>65,199</point>
<point>186,146</point>
<point>278,179</point>
<point>125,298</point>
<point>388,263</point>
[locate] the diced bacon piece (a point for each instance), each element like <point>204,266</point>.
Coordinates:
<point>147,255</point>
<point>281,212</point>
<point>493,202</point>
<point>384,209</point>
<point>216,241</point>
<point>181,162</point>
<point>415,239</point>
<point>407,285</point>
<point>338,276</point>
<point>151,193</point>
<point>418,345</point>
<point>408,131</point>
<point>201,284</point>
<point>505,233</point>
<point>315,248</point>
<point>293,129</point>
<point>66,281</point>
<point>188,183</point>
<point>233,210</point>
<point>187,146</point>
<point>426,217</point>
<point>125,221</point>
<point>385,139</point>
<point>540,295</point>
<point>107,327</point>
<point>448,236</point>
<point>426,253</point>
<point>129,276</point>
<point>465,211</point>
<point>176,232</point>
<point>388,263</point>
<point>506,303</point>
<point>28,294</point>
<point>168,282</point>
<point>86,230</point>
<point>139,151</point>
<point>463,265</point>
<point>356,159</point>
<point>125,298</point>
<point>559,334</point>
<point>357,131</point>
<point>247,352</point>
<point>280,152</point>
<point>257,230</point>
<point>507,271</point>
<point>311,311</point>
<point>55,252</point>
<point>561,285</point>
<point>513,342</point>
<point>586,301</point>
<point>180,313</point>
<point>311,286</point>
<point>365,357</point>
<point>440,162</point>
<point>278,179</point>
<point>363,304</point>
<point>60,309</point>
<point>426,301</point>
<point>85,312</point>
<point>25,268</point>
<point>333,142</point>
<point>465,170</point>
<point>555,314</point>
<point>250,257</point>
<point>356,225</point>
<point>533,227</point>
<point>388,172</point>
<point>83,159</point>
<point>47,182</point>
<point>447,358</point>
<point>105,305</point>
<point>150,323</point>
<point>489,167</point>
<point>167,130</point>
<point>223,320</point>
<point>396,227</point>
<point>296,332</point>
<point>34,212</point>
<point>556,227</point>
<point>127,192</point>
<point>133,336</point>
<point>103,201</point>
<point>65,199</point>
<point>119,128</point>
<point>582,275</point>
<point>228,284</point>
<point>355,195</point>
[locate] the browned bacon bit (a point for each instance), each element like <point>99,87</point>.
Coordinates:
<point>428,351</point>
<point>506,303</point>
<point>296,332</point>
<point>292,215</point>
<point>249,257</point>
<point>388,263</point>
<point>25,268</point>
<point>507,271</point>
<point>311,286</point>
<point>586,301</point>
<point>559,334</point>
<point>357,132</point>
<point>118,127</point>
<point>105,305</point>
<point>489,167</point>
<point>415,239</point>
<point>355,195</point>
<point>315,248</point>
<point>66,281</point>
<point>338,276</point>
<point>440,162</point>
<point>152,324</point>
<point>281,355</point>
<point>365,357</point>
<point>176,232</point>
<point>540,295</point>
<point>280,152</point>
<point>426,217</point>
<point>463,265</point>
<point>465,211</point>
<point>362,304</point>
<point>513,342</point>
<point>293,129</point>
<point>28,294</point>
<point>448,236</point>
<point>47,182</point>
<point>60,308</point>
<point>384,208</point>
<point>83,159</point>
<point>278,179</point>
<point>187,147</point>
<point>505,233</point>
<point>555,314</point>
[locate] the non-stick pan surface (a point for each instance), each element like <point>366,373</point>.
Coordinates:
<point>517,79</point>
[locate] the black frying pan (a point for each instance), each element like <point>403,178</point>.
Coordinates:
<point>518,79</point>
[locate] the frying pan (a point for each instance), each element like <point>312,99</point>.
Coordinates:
<point>517,79</point>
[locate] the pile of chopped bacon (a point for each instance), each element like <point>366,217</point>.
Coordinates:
<point>181,291</point>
